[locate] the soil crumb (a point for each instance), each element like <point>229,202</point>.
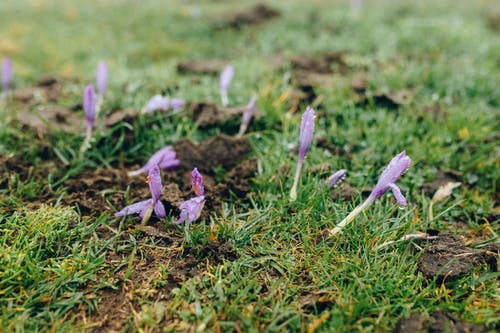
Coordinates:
<point>447,259</point>
<point>50,118</point>
<point>326,63</point>
<point>201,66</point>
<point>316,302</point>
<point>392,100</point>
<point>220,150</point>
<point>258,14</point>
<point>209,115</point>
<point>346,192</point>
<point>438,321</point>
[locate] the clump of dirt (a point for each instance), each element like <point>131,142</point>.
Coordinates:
<point>437,321</point>
<point>201,66</point>
<point>447,259</point>
<point>392,100</point>
<point>258,14</point>
<point>220,150</point>
<point>316,302</point>
<point>325,63</point>
<point>359,82</point>
<point>209,115</point>
<point>128,115</point>
<point>47,88</point>
<point>441,178</point>
<point>323,142</point>
<point>49,118</point>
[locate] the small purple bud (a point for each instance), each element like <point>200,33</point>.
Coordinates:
<point>248,114</point>
<point>6,73</point>
<point>306,132</point>
<point>191,209</point>
<point>197,182</point>
<point>336,178</point>
<point>225,79</point>
<point>154,180</point>
<point>177,103</point>
<point>101,77</point>
<point>89,105</point>
<point>157,102</point>
<point>164,158</point>
<point>396,168</point>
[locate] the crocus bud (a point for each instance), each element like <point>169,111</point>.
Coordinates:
<point>306,132</point>
<point>101,77</point>
<point>336,178</point>
<point>396,168</point>
<point>225,79</point>
<point>197,182</point>
<point>157,102</point>
<point>89,106</point>
<point>248,114</point>
<point>6,73</point>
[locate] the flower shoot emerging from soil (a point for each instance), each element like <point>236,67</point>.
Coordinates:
<point>441,194</point>
<point>164,158</point>
<point>225,80</point>
<point>6,74</point>
<point>145,208</point>
<point>101,78</point>
<point>191,209</point>
<point>305,140</point>
<point>396,168</point>
<point>247,115</point>
<point>89,110</point>
<point>163,103</point>
<point>336,178</point>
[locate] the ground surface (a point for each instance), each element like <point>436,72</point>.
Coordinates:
<point>392,76</point>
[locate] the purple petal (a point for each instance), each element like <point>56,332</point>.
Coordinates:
<point>391,174</point>
<point>134,208</point>
<point>306,132</point>
<point>6,73</point>
<point>89,104</point>
<point>154,180</point>
<point>177,103</point>
<point>197,182</point>
<point>157,102</point>
<point>101,77</point>
<point>397,194</point>
<point>165,158</point>
<point>336,178</point>
<point>160,209</point>
<point>225,77</point>
<point>191,209</point>
<point>248,114</point>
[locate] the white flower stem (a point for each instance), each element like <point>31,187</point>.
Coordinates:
<point>135,172</point>
<point>86,141</point>
<point>355,212</point>
<point>430,213</point>
<point>224,98</point>
<point>293,191</point>
<point>187,237</point>
<point>148,214</point>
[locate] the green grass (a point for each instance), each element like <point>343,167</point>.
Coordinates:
<point>442,51</point>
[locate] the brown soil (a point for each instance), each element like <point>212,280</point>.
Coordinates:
<point>258,14</point>
<point>316,302</point>
<point>47,88</point>
<point>346,192</point>
<point>128,115</point>
<point>323,142</point>
<point>211,115</point>
<point>447,259</point>
<point>202,66</point>
<point>436,322</point>
<point>326,63</point>
<point>50,118</point>
<point>392,100</point>
<point>359,82</point>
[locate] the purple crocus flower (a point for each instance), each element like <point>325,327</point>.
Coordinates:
<point>225,80</point>
<point>164,158</point>
<point>336,178</point>
<point>248,114</point>
<point>164,103</point>
<point>387,180</point>
<point>305,140</point>
<point>89,107</point>
<point>146,207</point>
<point>191,209</point>
<point>101,77</point>
<point>396,168</point>
<point>6,73</point>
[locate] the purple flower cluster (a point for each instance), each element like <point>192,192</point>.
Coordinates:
<point>191,209</point>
